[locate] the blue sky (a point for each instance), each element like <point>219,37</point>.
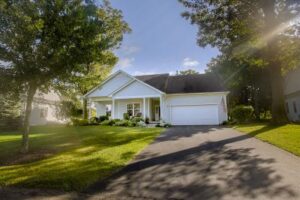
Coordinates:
<point>161,40</point>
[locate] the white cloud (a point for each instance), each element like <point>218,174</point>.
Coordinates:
<point>129,50</point>
<point>125,62</point>
<point>189,63</point>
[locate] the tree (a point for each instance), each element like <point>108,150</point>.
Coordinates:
<point>45,43</point>
<point>250,87</point>
<point>265,31</point>
<point>187,72</point>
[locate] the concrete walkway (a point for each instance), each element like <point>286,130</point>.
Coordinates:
<point>206,163</point>
<point>198,163</point>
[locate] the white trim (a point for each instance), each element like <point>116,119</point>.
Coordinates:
<point>121,88</point>
<point>107,79</point>
<point>113,109</point>
<point>100,99</point>
<point>205,104</point>
<point>199,93</point>
<point>144,108</point>
<point>113,75</point>
<point>142,82</point>
<point>137,97</point>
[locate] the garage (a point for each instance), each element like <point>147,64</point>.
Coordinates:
<point>194,115</point>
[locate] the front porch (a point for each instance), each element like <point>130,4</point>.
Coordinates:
<point>145,107</point>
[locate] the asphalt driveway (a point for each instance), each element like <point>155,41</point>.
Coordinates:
<point>205,163</point>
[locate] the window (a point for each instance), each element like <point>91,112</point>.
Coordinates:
<point>287,107</point>
<point>295,106</point>
<point>133,109</point>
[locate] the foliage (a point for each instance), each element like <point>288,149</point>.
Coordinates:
<point>136,119</point>
<point>187,72</point>
<point>258,33</point>
<point>250,87</point>
<point>47,43</point>
<point>79,122</point>
<point>126,116</point>
<point>10,116</point>
<point>147,120</point>
<point>68,109</point>
<point>82,155</point>
<point>286,137</point>
<point>163,124</point>
<point>102,118</point>
<point>141,124</point>
<point>122,123</point>
<point>242,113</point>
<point>110,122</point>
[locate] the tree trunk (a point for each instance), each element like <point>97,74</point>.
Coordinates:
<point>274,65</point>
<point>278,110</point>
<point>84,109</point>
<point>26,126</point>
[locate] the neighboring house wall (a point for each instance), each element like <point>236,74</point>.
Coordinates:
<point>45,108</point>
<point>292,95</point>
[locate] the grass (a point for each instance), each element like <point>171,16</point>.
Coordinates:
<point>286,137</point>
<point>69,158</point>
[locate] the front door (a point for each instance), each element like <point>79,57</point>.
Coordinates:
<point>157,112</point>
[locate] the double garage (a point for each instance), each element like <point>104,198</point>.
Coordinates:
<point>197,110</point>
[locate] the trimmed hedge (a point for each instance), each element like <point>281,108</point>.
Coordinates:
<point>242,113</point>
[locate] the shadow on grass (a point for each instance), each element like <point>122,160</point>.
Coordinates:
<point>82,155</point>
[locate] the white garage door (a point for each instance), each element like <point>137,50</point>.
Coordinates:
<point>194,115</point>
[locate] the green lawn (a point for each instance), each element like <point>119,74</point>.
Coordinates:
<point>286,137</point>
<point>69,158</point>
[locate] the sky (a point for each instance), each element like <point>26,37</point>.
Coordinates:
<point>161,40</point>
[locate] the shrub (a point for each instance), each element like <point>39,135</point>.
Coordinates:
<point>122,123</point>
<point>138,115</point>
<point>147,120</point>
<point>79,122</point>
<point>107,122</point>
<point>136,119</point>
<point>242,113</point>
<point>141,124</point>
<point>163,124</point>
<point>103,118</point>
<point>110,122</point>
<point>126,116</point>
<point>94,121</point>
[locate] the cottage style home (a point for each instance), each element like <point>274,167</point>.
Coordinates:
<point>292,95</point>
<point>178,100</point>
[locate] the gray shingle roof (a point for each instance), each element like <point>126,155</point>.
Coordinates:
<point>194,83</point>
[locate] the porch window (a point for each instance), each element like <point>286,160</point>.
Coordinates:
<point>133,109</point>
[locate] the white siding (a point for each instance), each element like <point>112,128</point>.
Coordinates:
<point>292,115</point>
<point>37,116</point>
<point>121,106</point>
<point>292,82</point>
<point>136,89</point>
<point>111,85</point>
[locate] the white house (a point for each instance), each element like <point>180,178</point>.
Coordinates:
<point>178,100</point>
<point>292,95</point>
<point>44,108</point>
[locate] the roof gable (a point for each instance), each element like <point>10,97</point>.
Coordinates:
<point>111,84</point>
<point>136,89</point>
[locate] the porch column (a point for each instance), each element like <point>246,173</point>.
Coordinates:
<point>161,107</point>
<point>144,108</point>
<point>113,109</point>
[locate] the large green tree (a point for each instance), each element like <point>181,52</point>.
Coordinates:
<point>265,31</point>
<point>46,42</point>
